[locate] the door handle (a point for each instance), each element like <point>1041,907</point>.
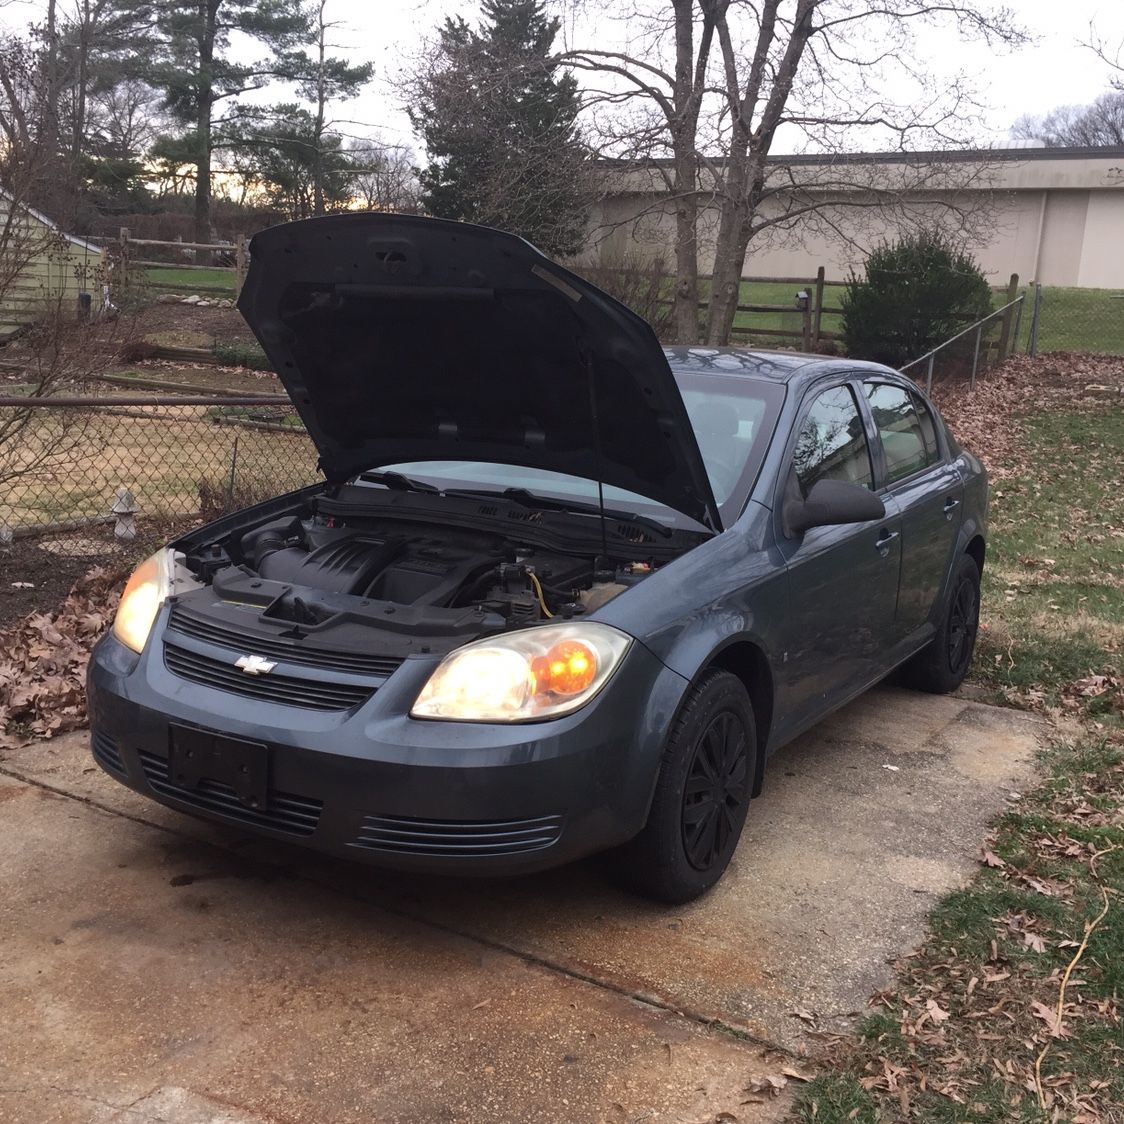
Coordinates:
<point>884,539</point>
<point>950,505</point>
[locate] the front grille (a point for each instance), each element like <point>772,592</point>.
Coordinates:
<point>310,694</point>
<point>106,753</point>
<point>361,663</point>
<point>456,839</point>
<point>285,811</point>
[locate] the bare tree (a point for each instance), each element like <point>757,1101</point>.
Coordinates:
<point>55,346</point>
<point>1098,125</point>
<point>817,72</point>
<point>384,176</point>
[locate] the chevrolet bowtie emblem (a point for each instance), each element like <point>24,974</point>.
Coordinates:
<point>254,665</point>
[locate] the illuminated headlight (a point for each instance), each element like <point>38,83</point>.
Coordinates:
<point>536,673</point>
<point>145,592</point>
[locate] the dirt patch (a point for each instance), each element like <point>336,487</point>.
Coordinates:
<point>202,375</point>
<point>184,325</point>
<point>37,580</point>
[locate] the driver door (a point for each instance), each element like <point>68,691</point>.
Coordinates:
<point>843,580</point>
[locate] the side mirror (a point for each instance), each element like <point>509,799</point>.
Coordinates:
<point>831,502</point>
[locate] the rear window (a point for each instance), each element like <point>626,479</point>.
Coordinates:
<point>909,441</point>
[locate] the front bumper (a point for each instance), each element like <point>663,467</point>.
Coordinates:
<point>372,784</point>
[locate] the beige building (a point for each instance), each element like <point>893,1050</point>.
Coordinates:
<point>1052,215</point>
<point>44,270</point>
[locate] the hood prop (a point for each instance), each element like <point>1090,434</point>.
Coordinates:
<point>587,361</point>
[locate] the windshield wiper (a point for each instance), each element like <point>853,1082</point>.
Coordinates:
<point>526,498</point>
<point>399,482</point>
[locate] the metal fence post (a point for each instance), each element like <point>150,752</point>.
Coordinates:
<point>975,358</point>
<point>929,376</point>
<point>1018,326</point>
<point>1032,349</point>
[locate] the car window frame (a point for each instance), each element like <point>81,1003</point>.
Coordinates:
<point>885,485</point>
<point>810,394</point>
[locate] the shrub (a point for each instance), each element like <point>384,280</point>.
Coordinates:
<point>641,283</point>
<point>217,498</point>
<point>239,353</point>
<point>917,292</point>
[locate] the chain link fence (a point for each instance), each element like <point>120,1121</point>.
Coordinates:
<point>970,354</point>
<point>85,475</point>
<point>1060,319</point>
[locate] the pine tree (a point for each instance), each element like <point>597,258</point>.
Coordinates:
<point>187,58</point>
<point>499,122</point>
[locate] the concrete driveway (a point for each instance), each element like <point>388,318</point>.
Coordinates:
<point>155,968</point>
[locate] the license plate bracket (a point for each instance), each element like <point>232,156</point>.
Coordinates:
<point>197,755</point>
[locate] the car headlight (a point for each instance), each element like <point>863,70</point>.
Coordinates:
<point>145,592</point>
<point>535,673</point>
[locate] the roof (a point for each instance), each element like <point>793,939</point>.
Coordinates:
<point>73,239</point>
<point>948,155</point>
<point>779,365</point>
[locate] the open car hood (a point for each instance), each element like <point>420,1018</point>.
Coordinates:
<point>406,339</point>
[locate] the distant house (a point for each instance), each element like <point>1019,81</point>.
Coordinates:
<point>44,270</point>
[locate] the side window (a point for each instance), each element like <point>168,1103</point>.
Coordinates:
<point>831,444</point>
<point>908,443</point>
<point>928,429</point>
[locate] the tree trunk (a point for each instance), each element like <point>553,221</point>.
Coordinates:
<point>83,79</point>
<point>729,251</point>
<point>686,298</point>
<point>204,109</point>
<point>318,136</point>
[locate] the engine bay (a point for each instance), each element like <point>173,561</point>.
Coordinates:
<point>335,562</point>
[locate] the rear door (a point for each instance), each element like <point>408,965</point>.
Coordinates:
<point>843,580</point>
<point>916,474</point>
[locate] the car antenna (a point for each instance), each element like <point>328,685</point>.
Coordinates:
<point>587,361</point>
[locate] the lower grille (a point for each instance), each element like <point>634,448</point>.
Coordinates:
<point>309,694</point>
<point>475,838</point>
<point>285,811</point>
<point>106,753</point>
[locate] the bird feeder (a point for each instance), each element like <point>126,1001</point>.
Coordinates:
<point>124,510</point>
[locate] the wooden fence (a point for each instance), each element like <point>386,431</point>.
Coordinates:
<point>125,247</point>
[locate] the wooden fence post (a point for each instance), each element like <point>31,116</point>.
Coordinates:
<point>817,321</point>
<point>1005,331</point>
<point>241,261</point>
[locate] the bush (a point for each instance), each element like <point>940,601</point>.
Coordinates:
<point>237,353</point>
<point>641,283</point>
<point>917,292</point>
<point>217,498</point>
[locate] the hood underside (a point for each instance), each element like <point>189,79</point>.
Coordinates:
<point>409,339</point>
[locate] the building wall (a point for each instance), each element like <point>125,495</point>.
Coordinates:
<point>42,270</point>
<point>1051,215</point>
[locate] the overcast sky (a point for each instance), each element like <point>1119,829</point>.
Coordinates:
<point>1053,70</point>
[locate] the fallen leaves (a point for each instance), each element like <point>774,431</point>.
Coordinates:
<point>43,661</point>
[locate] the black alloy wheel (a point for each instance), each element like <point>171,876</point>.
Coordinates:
<point>702,794</point>
<point>963,623</point>
<point>941,665</point>
<point>716,791</point>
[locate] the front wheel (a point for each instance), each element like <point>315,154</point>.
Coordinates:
<point>701,797</point>
<point>941,666</point>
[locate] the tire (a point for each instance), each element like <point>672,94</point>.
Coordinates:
<point>701,798</point>
<point>941,665</point>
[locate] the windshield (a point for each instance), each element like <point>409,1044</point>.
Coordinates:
<point>733,418</point>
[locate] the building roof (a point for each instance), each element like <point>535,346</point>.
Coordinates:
<point>73,239</point>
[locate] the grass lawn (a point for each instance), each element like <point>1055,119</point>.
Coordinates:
<point>187,280</point>
<point>1071,319</point>
<point>971,1030</point>
<point>1077,320</point>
